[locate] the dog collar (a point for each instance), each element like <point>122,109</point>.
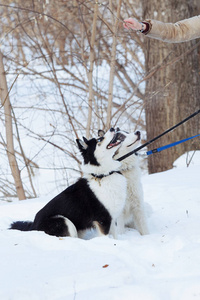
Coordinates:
<point>102,175</point>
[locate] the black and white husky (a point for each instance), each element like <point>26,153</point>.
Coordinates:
<point>94,201</point>
<point>134,213</point>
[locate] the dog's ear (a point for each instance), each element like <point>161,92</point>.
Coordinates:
<point>81,144</point>
<point>101,133</point>
<point>118,129</point>
<point>85,140</point>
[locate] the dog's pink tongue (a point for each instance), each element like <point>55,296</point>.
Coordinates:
<point>111,145</point>
<point>114,144</point>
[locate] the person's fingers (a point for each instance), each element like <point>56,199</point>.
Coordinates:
<point>126,26</point>
<point>129,20</point>
<point>130,24</point>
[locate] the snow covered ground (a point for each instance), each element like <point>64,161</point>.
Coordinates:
<point>164,265</point>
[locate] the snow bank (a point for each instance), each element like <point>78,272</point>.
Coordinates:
<point>163,265</point>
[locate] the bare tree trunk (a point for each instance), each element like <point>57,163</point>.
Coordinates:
<point>172,92</point>
<point>5,101</point>
<point>26,162</point>
<point>112,68</point>
<point>90,75</point>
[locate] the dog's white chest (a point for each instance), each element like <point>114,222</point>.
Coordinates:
<point>111,192</point>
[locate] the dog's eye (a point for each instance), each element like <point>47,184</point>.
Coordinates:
<point>99,140</point>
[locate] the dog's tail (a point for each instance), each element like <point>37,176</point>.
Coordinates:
<point>22,225</point>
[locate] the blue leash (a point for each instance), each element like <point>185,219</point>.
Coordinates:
<point>159,136</point>
<point>169,145</point>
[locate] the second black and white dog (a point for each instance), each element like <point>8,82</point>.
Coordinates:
<point>96,200</point>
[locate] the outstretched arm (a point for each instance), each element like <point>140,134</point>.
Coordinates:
<point>178,32</point>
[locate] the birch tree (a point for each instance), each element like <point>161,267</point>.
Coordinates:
<point>112,66</point>
<point>5,102</point>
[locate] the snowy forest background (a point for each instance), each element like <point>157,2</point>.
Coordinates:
<point>67,69</point>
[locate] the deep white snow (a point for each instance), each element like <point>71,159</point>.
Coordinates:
<point>164,265</point>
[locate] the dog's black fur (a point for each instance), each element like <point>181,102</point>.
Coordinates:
<point>78,203</point>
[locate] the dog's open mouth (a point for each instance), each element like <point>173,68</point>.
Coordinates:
<point>138,138</point>
<point>117,139</point>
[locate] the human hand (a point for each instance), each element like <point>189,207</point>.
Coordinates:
<point>132,24</point>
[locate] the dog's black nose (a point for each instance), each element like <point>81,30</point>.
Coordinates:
<point>112,129</point>
<point>138,134</point>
